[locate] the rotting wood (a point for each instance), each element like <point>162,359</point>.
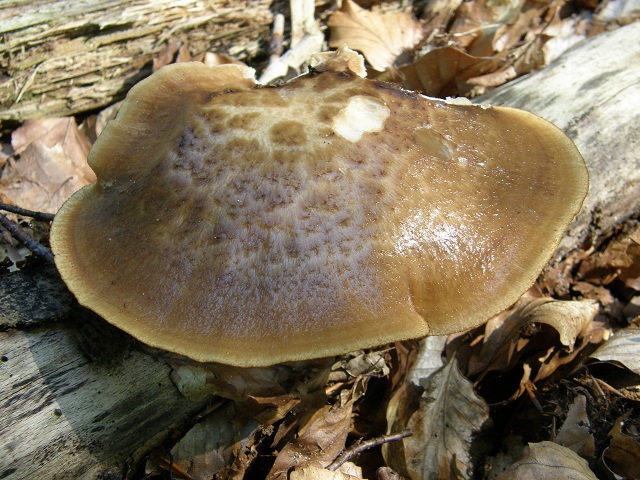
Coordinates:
<point>59,58</point>
<point>65,415</point>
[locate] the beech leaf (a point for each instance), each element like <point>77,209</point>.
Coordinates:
<point>447,71</point>
<point>548,461</point>
<point>319,443</point>
<point>623,347</point>
<point>574,433</point>
<point>381,37</point>
<point>443,427</point>
<point>211,443</point>
<point>52,165</point>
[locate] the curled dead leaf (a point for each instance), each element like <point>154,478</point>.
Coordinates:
<point>444,72</point>
<point>197,380</point>
<point>549,461</point>
<point>360,363</point>
<point>623,347</point>
<point>52,164</point>
<point>619,260</point>
<point>529,345</point>
<point>569,318</point>
<point>381,37</point>
<point>502,344</point>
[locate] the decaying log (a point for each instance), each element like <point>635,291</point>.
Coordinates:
<point>66,414</point>
<point>59,58</point>
<point>74,403</point>
<point>592,92</point>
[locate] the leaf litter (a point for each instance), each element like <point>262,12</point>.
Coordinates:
<point>481,404</point>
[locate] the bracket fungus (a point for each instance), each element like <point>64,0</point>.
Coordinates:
<point>252,225</point>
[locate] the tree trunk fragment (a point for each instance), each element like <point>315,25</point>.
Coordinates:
<point>59,58</point>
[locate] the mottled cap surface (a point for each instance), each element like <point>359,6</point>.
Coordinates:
<point>254,225</point>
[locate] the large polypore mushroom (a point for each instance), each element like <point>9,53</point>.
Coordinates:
<point>254,225</point>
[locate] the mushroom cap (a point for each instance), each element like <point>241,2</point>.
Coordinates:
<point>252,225</point>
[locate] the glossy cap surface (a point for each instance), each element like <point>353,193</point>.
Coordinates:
<point>254,225</point>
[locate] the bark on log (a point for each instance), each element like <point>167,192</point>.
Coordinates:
<point>66,415</point>
<point>592,92</point>
<point>59,58</point>
<point>75,400</point>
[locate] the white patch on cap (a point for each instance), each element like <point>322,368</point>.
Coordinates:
<point>361,115</point>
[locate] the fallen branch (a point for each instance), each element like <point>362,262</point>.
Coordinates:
<point>23,212</point>
<point>360,447</point>
<point>22,237</point>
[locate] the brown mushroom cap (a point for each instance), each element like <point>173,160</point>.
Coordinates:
<point>254,225</point>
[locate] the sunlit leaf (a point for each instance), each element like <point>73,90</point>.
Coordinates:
<point>623,347</point>
<point>549,461</point>
<point>381,38</point>
<point>443,427</point>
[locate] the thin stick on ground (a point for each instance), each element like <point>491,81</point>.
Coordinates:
<point>17,233</point>
<point>44,217</point>
<point>366,445</point>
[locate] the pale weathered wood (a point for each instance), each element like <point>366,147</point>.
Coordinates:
<point>592,92</point>
<point>60,57</point>
<point>65,415</point>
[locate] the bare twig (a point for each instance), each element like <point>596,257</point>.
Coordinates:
<point>44,217</point>
<point>606,386</point>
<point>360,447</point>
<point>17,233</point>
<point>530,387</point>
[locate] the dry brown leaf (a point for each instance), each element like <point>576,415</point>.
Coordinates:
<point>621,456</point>
<point>548,461</point>
<point>475,23</point>
<point>444,72</point>
<point>319,443</point>
<point>358,364</point>
<point>197,380</point>
<point>381,37</point>
<point>623,347</point>
<point>447,418</point>
<point>502,347</point>
<point>245,456</point>
<point>212,443</point>
<point>347,471</point>
<point>531,344</point>
<point>94,124</point>
<point>402,405</point>
<point>574,433</point>
<point>620,259</point>
<point>493,79</point>
<point>437,14</point>
<point>211,59</point>
<point>52,164</point>
<point>175,51</point>
<point>569,318</point>
<point>528,57</point>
